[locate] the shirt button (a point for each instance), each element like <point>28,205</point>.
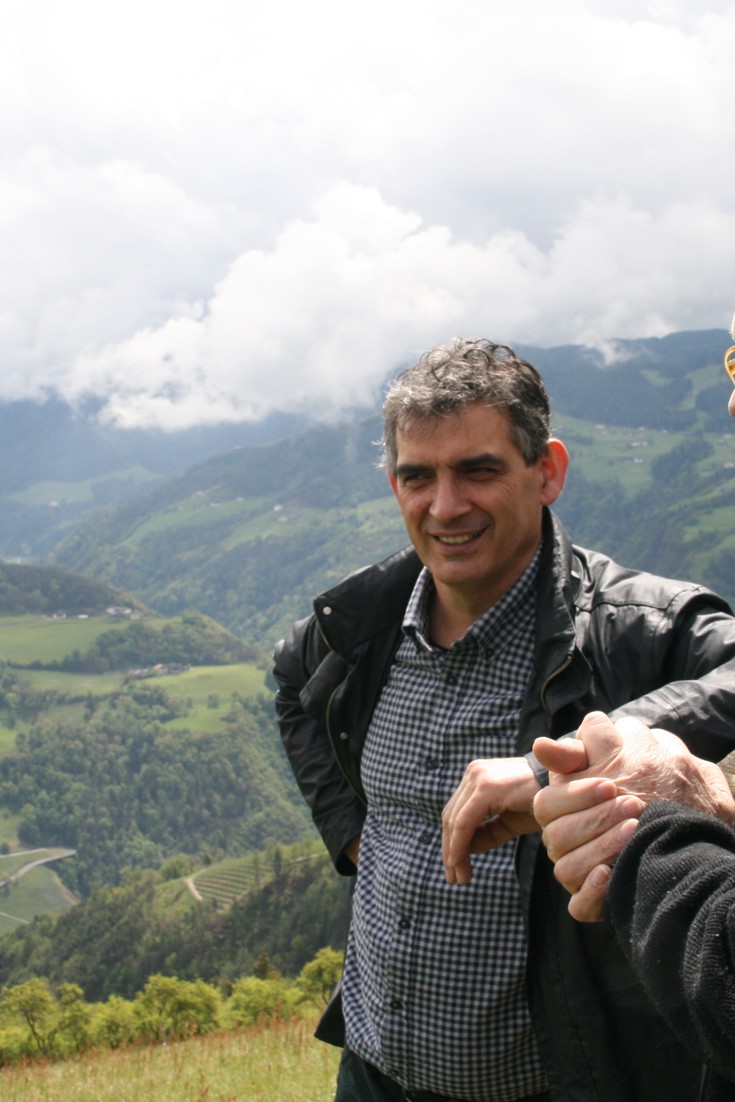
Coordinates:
<point>452,679</point>
<point>404,923</point>
<point>396,1004</point>
<point>431,763</point>
<point>327,610</point>
<point>343,736</point>
<point>425,837</point>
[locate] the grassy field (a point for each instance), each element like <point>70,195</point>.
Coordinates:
<point>33,638</point>
<point>612,451</point>
<point>41,493</point>
<point>281,1063</point>
<point>37,892</point>
<point>200,686</point>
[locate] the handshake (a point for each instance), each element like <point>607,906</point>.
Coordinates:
<point>599,784</point>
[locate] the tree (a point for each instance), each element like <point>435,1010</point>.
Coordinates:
<point>35,1005</point>
<point>256,1000</point>
<point>169,1007</point>
<point>320,976</point>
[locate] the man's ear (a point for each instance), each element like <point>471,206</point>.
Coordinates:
<point>393,482</point>
<point>553,466</point>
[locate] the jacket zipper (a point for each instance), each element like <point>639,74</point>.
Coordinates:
<point>552,677</point>
<point>327,715</point>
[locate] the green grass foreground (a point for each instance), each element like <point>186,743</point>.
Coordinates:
<point>280,1062</point>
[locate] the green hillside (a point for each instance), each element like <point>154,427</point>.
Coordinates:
<point>271,910</point>
<point>30,885</point>
<point>53,592</point>
<point>132,740</point>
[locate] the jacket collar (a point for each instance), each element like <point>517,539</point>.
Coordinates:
<point>374,599</point>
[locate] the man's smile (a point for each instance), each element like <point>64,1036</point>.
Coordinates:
<point>451,541</point>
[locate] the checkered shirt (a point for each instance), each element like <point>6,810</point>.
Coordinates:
<point>434,974</point>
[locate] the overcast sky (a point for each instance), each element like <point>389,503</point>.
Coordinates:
<point>213,211</point>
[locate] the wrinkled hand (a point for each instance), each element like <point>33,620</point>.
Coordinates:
<point>585,824</point>
<point>600,783</point>
<point>494,803</point>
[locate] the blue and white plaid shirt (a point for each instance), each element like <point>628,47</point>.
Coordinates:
<point>434,976</point>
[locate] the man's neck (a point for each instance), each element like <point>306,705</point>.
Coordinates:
<point>451,620</point>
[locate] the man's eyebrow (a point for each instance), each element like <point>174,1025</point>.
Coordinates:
<point>468,463</point>
<point>403,469</point>
<point>486,459</point>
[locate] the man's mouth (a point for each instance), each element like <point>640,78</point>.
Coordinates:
<point>452,541</point>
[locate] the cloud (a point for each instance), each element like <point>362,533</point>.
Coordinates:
<point>315,323</point>
<point>213,215</point>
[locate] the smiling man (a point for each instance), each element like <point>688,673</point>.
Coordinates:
<point>409,702</point>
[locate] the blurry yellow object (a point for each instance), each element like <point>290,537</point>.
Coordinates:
<point>730,362</point>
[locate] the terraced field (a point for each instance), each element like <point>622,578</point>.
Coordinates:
<point>230,880</point>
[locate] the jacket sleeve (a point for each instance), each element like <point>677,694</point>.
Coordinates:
<point>671,903</point>
<point>690,654</point>
<point>300,666</point>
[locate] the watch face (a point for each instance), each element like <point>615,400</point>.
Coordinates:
<point>730,362</point>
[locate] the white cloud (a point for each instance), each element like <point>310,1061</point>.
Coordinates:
<point>314,323</point>
<point>214,212</point>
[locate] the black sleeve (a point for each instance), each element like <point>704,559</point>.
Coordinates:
<point>337,812</point>
<point>671,902</point>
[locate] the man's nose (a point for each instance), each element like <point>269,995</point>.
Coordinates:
<point>449,500</point>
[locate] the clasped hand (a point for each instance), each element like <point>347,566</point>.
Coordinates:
<point>494,803</point>
<point>599,784</point>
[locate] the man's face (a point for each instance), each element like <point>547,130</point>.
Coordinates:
<point>471,505</point>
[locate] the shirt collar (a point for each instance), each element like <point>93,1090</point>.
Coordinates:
<point>487,628</point>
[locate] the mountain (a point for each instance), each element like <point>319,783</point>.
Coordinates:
<point>59,464</point>
<point>249,537</point>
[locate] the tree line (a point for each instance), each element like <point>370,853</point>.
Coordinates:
<point>42,1021</point>
<point>109,944</point>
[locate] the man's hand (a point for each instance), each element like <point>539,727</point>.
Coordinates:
<point>352,850</point>
<point>600,783</point>
<point>586,824</point>
<point>493,803</point>
<point>643,762</point>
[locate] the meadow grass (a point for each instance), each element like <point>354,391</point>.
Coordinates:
<point>197,684</point>
<point>277,1063</point>
<point>73,684</point>
<point>198,510</point>
<point>40,493</point>
<point>37,892</point>
<point>25,639</point>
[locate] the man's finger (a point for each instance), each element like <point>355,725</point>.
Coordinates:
<point>575,795</point>
<point>578,828</point>
<point>588,904</point>
<point>568,755</point>
<point>574,867</point>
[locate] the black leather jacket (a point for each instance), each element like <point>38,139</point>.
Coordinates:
<point>607,638</point>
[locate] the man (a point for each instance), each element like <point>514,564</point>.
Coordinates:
<point>491,631</point>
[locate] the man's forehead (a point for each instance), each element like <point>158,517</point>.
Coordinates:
<point>477,422</point>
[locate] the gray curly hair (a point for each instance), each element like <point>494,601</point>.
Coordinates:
<point>454,375</point>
